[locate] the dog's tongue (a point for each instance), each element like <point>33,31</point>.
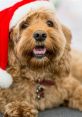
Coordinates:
<point>39,51</point>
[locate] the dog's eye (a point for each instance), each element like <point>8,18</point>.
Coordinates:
<point>50,23</point>
<point>23,25</point>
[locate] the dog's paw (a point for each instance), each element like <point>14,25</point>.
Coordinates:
<point>16,109</point>
<point>28,110</point>
<point>12,110</point>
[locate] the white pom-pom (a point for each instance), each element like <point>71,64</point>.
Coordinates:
<point>5,79</point>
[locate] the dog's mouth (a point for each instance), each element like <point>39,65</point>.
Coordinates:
<point>39,51</point>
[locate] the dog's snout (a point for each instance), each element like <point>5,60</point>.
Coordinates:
<point>40,35</point>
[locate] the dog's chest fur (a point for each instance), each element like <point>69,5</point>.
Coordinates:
<point>41,95</point>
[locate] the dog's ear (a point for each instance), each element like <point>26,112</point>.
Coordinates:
<point>67,34</point>
<point>65,68</point>
<point>11,56</point>
<point>11,43</point>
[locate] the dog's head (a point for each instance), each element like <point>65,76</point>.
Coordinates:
<point>39,38</point>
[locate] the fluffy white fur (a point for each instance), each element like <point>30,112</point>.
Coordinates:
<point>5,79</point>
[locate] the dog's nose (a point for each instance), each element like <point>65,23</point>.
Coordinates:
<point>40,35</point>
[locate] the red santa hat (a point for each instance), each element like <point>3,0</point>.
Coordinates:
<point>10,13</point>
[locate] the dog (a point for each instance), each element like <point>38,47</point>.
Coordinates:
<point>42,65</point>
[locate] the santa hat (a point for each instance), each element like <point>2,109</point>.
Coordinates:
<point>11,11</point>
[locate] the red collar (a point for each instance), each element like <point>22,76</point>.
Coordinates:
<point>45,82</point>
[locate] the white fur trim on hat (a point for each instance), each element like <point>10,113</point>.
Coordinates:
<point>23,10</point>
<point>5,79</point>
<point>7,3</point>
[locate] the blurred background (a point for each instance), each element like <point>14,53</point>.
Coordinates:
<point>70,13</point>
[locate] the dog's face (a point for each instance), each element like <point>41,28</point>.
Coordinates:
<point>38,39</point>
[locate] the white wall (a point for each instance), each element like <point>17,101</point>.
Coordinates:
<point>70,13</point>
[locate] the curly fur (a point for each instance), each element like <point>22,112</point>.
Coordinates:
<point>20,99</point>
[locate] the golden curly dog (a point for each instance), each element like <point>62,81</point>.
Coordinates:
<point>40,62</point>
